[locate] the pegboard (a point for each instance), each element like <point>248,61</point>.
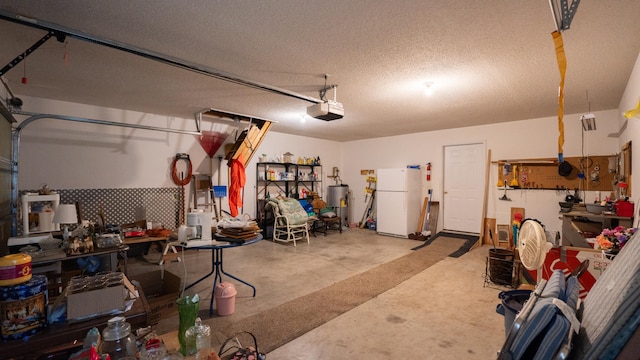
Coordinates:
<point>543,174</point>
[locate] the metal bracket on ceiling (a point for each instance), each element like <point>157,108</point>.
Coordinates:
<point>323,91</point>
<point>162,58</point>
<point>18,59</point>
<point>12,101</point>
<point>563,13</point>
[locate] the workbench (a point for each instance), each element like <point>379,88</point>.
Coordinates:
<point>577,225</point>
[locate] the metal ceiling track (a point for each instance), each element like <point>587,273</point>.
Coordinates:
<point>563,13</point>
<point>15,151</point>
<point>18,59</point>
<point>58,31</point>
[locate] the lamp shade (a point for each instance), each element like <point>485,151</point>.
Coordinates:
<point>65,214</point>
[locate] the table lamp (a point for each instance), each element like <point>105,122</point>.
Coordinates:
<point>65,214</point>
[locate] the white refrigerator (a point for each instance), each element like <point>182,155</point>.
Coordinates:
<point>398,198</point>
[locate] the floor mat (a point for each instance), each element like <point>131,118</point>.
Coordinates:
<point>469,241</point>
<point>287,321</point>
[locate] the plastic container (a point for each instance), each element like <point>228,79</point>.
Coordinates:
<point>512,303</point>
<point>624,208</point>
<point>219,190</point>
<point>15,269</point>
<point>117,339</point>
<point>182,233</point>
<point>225,296</point>
<point>198,341</point>
<point>23,307</point>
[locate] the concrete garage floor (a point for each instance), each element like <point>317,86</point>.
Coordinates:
<point>444,312</point>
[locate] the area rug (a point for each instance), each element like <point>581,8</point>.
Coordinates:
<point>281,324</point>
<point>469,241</point>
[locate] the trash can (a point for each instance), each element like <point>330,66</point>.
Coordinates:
<point>512,303</point>
<point>501,266</point>
<point>225,296</point>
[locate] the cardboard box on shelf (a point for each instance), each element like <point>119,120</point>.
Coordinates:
<point>100,301</point>
<point>161,289</point>
<point>95,302</point>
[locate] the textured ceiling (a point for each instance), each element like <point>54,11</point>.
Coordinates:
<point>490,61</point>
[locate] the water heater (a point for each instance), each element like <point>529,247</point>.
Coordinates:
<point>338,198</point>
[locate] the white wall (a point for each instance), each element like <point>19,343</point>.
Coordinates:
<point>632,131</point>
<point>72,155</point>
<point>536,138</point>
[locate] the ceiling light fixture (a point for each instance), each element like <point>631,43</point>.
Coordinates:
<point>588,120</point>
<point>428,88</point>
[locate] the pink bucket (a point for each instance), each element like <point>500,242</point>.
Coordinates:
<point>225,296</point>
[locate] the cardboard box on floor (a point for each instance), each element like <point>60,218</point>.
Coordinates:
<point>161,289</point>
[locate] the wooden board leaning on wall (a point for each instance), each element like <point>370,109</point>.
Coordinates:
<point>542,174</point>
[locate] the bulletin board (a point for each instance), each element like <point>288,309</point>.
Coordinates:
<point>543,174</point>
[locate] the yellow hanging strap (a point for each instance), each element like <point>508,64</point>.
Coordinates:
<point>633,112</point>
<point>562,66</point>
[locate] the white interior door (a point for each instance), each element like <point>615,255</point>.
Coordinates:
<point>464,167</point>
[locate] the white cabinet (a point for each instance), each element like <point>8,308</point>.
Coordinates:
<point>44,221</point>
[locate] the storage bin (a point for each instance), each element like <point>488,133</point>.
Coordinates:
<point>512,303</point>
